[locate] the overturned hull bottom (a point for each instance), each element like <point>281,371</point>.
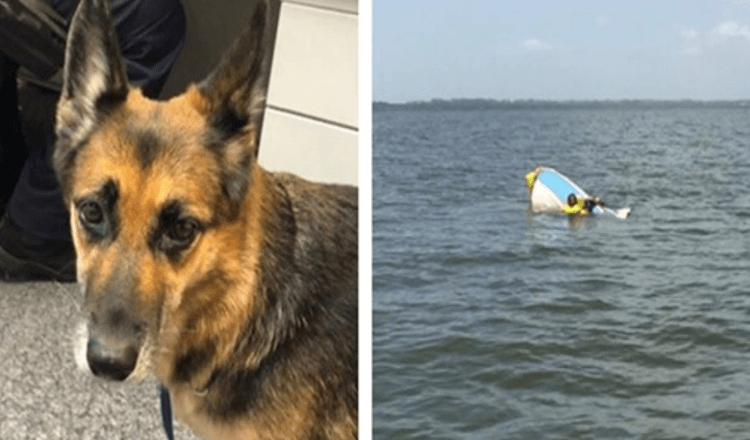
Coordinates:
<point>550,191</point>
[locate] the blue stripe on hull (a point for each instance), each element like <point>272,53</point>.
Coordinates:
<point>558,184</point>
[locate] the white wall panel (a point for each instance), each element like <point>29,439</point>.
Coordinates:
<point>314,69</point>
<point>309,148</point>
<point>311,120</point>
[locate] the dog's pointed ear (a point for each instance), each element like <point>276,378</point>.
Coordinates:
<point>233,100</point>
<point>94,77</point>
<point>235,92</point>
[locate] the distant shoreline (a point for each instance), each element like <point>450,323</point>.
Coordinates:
<point>490,104</point>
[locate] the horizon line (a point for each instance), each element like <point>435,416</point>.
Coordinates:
<point>549,100</point>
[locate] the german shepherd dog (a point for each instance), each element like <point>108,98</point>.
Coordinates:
<point>234,286</point>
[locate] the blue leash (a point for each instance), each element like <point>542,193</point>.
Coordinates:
<point>166,412</point>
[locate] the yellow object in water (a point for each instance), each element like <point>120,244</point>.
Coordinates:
<point>531,178</point>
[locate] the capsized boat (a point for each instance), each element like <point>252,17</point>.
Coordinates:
<point>549,190</point>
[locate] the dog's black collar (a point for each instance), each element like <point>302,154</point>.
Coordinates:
<point>166,412</point>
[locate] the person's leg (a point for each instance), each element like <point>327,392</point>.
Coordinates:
<point>35,239</point>
<point>36,204</point>
<point>13,151</point>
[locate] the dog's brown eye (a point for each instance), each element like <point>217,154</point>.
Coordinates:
<point>183,231</point>
<point>174,232</point>
<point>91,213</point>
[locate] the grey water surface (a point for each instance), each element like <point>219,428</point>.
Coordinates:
<point>490,323</point>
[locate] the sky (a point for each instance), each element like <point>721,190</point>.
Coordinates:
<point>560,49</point>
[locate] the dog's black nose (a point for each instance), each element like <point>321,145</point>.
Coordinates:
<point>111,362</point>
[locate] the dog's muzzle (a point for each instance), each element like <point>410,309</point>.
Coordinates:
<point>113,345</point>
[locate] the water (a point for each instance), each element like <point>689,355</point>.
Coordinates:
<point>489,323</point>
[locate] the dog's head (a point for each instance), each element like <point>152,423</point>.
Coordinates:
<point>157,191</point>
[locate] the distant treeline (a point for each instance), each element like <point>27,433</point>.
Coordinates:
<point>489,104</point>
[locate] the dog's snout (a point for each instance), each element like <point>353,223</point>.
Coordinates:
<point>112,361</point>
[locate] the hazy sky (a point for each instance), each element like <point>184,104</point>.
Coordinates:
<point>561,49</point>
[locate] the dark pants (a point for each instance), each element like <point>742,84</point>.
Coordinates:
<point>36,204</point>
<point>13,152</point>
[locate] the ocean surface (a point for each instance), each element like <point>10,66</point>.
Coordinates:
<point>490,323</point>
